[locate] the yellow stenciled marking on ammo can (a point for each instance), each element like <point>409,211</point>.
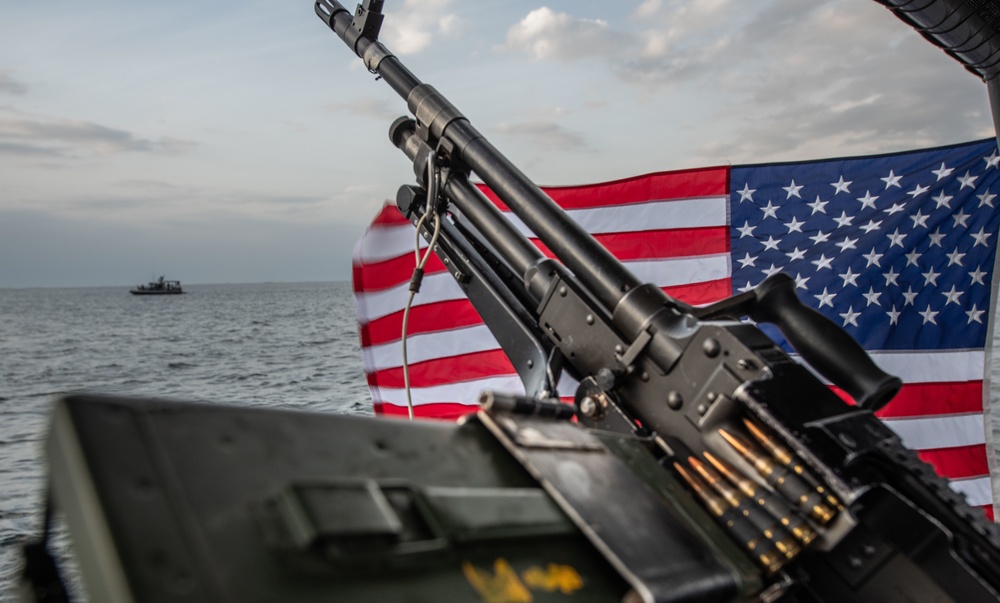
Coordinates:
<point>554,577</point>
<point>501,586</point>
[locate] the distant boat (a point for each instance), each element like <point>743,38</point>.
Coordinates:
<point>160,287</point>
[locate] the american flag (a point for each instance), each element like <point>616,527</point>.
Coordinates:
<point>898,249</point>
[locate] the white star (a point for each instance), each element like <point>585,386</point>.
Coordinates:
<point>929,315</point>
<point>746,230</point>
<point>823,262</point>
<point>825,298</point>
<point>936,237</point>
<point>771,243</point>
<point>871,225</point>
<point>745,288</point>
<point>896,207</point>
<point>962,218</point>
<point>850,317</point>
<point>930,277</point>
<point>912,257</point>
<point>981,237</point>
<point>770,210</point>
<point>800,281</point>
<point>747,193</point>
<point>943,200</point>
<point>792,190</point>
<point>975,315</point>
<point>893,315</point>
<point>795,254</point>
<point>977,276</point>
<point>867,201</point>
<point>840,186</point>
<point>847,243</point>
<point>872,296</point>
<point>952,296</point>
<point>818,206</point>
<point>843,220</point>
<point>794,225</point>
<point>992,161</point>
<point>896,238</point>
<point>873,258</point>
<point>986,198</point>
<point>891,180</point>
<point>850,278</point>
<point>909,295</point>
<point>967,180</point>
<point>820,237</point>
<point>919,219</point>
<point>748,260</point>
<point>917,191</point>
<point>955,257</point>
<point>942,172</point>
<point>891,276</point>
<point>771,271</point>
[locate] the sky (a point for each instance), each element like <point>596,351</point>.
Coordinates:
<point>236,142</point>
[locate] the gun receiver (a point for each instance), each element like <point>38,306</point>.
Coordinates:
<point>873,522</point>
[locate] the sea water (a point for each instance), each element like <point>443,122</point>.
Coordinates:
<point>274,345</point>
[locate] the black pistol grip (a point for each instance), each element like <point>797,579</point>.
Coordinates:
<point>824,345</point>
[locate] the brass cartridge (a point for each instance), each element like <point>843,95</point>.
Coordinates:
<point>786,483</point>
<point>738,527</point>
<point>788,458</point>
<point>765,499</point>
<point>767,525</point>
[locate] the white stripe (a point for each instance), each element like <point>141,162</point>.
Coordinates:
<point>428,346</point>
<point>681,271</point>
<point>437,287</point>
<point>386,242</point>
<point>463,392</point>
<point>939,431</point>
<point>929,367</point>
<point>976,490</point>
<point>441,286</point>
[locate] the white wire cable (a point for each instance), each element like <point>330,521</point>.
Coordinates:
<point>418,271</point>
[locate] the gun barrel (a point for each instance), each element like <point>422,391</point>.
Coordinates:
<point>607,279</point>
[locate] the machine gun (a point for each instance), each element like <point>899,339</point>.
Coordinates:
<point>818,493</point>
<point>703,463</point>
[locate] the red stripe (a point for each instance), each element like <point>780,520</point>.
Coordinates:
<point>626,246</point>
<point>682,184</point>
<point>698,294</point>
<point>460,313</point>
<point>957,463</point>
<point>453,369</point>
<point>929,399</point>
<point>988,509</point>
<point>389,216</point>
<point>923,399</point>
<point>442,316</point>
<point>378,276</point>
<point>679,242</point>
<point>439,410</point>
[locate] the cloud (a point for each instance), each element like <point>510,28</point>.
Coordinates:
<point>34,136</point>
<point>410,29</point>
<point>546,34</point>
<point>374,108</point>
<point>9,85</point>
<point>545,134</point>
